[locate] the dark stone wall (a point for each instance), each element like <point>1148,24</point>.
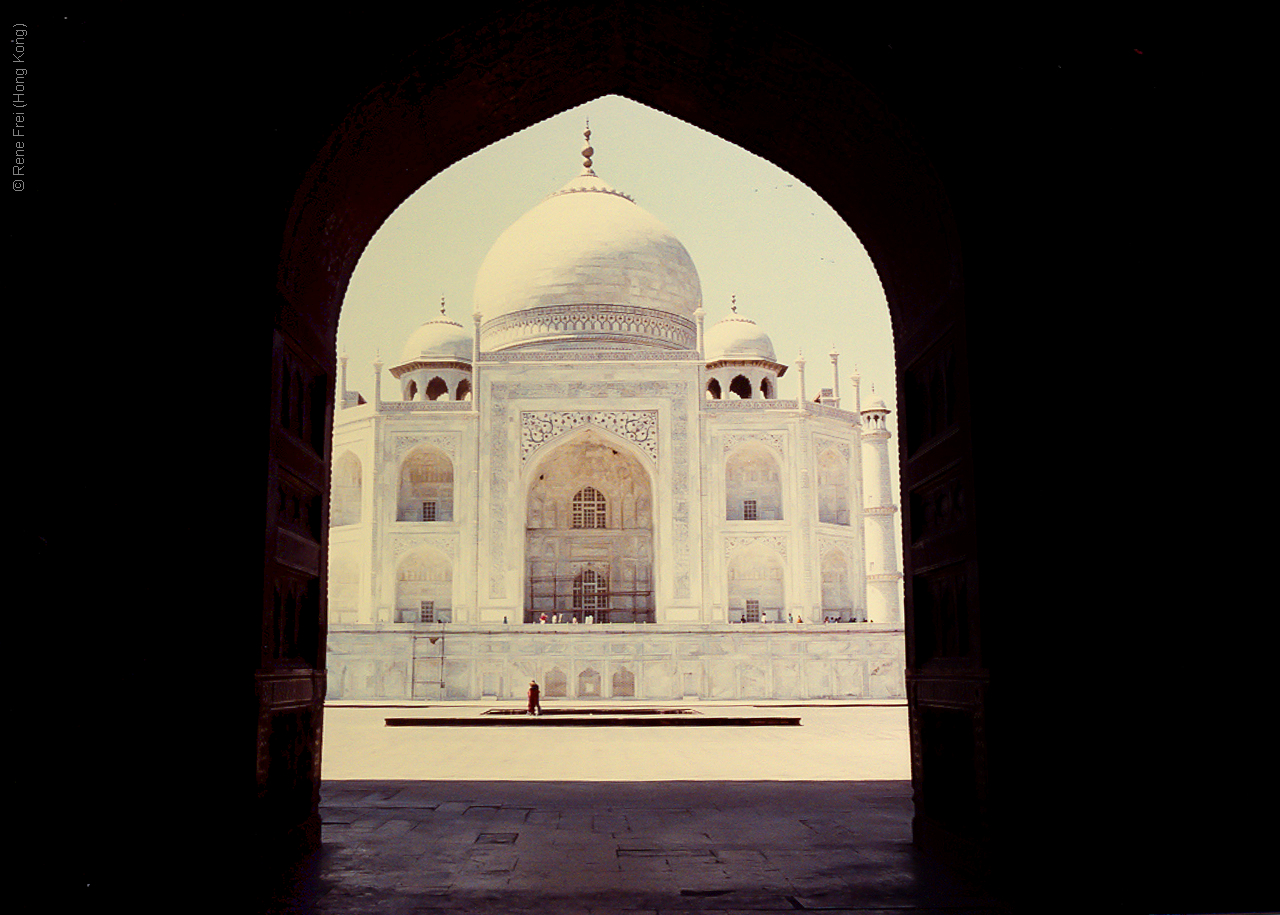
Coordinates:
<point>203,188</point>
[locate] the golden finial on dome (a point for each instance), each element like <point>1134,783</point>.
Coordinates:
<point>587,151</point>
<point>442,314</point>
<point>733,304</point>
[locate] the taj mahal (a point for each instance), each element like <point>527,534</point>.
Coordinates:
<point>593,486</point>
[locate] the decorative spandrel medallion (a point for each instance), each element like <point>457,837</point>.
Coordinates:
<point>637,426</point>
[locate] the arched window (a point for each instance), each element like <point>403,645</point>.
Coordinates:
<point>464,389</point>
<point>589,591</point>
<point>411,391</point>
<point>437,387</point>
<point>588,509</point>
<point>741,385</point>
<point>713,389</point>
<point>766,389</point>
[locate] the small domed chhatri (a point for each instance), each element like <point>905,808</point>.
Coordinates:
<point>438,339</point>
<point>740,359</point>
<point>589,451</point>
<point>436,361</point>
<point>587,268</point>
<point>738,337</point>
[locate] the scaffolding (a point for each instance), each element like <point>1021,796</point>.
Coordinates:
<point>574,598</point>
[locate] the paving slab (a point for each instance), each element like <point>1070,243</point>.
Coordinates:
<point>606,821</point>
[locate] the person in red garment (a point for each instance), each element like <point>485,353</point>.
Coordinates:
<point>535,706</point>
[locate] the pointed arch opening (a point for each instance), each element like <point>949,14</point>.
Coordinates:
<point>424,587</point>
<point>833,487</point>
<point>753,484</point>
<point>426,486</point>
<point>345,498</point>
<point>589,546</point>
<point>756,587</point>
<point>910,259</point>
<point>837,593</point>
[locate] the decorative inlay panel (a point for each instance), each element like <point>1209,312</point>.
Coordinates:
<point>728,406</point>
<point>446,443</point>
<point>843,544</point>
<point>445,543</point>
<point>596,354</point>
<point>637,426</point>
<point>821,444</point>
<point>772,439</point>
<point>776,542</point>
<point>615,323</point>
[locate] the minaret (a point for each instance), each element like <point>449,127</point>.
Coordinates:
<point>475,363</point>
<point>342,394</point>
<point>878,517</point>
<point>799,364</point>
<point>857,394</point>
<point>377,380</point>
<point>835,376</point>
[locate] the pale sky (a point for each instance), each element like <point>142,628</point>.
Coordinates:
<point>753,231</point>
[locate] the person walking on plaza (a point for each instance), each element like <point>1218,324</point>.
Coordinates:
<point>535,706</point>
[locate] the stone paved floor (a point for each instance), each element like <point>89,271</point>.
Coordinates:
<point>712,841</point>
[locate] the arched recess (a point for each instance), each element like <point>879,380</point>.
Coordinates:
<point>345,499</point>
<point>833,487</point>
<point>464,390</point>
<point>437,388</point>
<point>590,495</point>
<point>624,684</point>
<point>753,484</point>
<point>426,486</point>
<point>344,588</point>
<point>424,587</point>
<point>757,586</point>
<point>743,77</point>
<point>589,684</point>
<point>741,387</point>
<point>837,594</point>
<point>713,389</point>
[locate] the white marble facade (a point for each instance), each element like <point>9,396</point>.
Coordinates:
<point>587,455</point>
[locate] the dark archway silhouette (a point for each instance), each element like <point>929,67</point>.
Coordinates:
<point>771,94</point>
<point>1016,154</point>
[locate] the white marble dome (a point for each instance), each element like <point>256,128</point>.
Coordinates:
<point>875,402</point>
<point>587,267</point>
<point>737,337</point>
<point>437,341</point>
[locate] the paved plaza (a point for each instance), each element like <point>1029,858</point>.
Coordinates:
<point>841,743</point>
<point>620,820</point>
